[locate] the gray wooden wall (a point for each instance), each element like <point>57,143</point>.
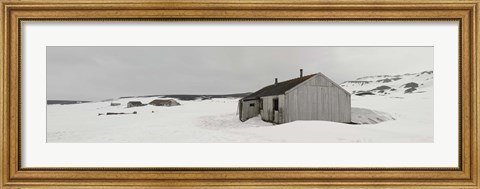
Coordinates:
<point>249,111</point>
<point>317,99</point>
<point>268,113</point>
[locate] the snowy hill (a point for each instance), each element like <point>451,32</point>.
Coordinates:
<point>398,109</point>
<point>410,83</point>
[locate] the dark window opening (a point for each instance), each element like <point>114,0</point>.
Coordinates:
<point>261,104</point>
<point>252,104</point>
<point>275,104</point>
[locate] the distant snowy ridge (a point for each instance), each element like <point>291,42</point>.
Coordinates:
<point>409,83</point>
<point>189,96</point>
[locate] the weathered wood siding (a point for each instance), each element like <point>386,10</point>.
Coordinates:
<point>247,111</point>
<point>317,99</point>
<point>267,112</point>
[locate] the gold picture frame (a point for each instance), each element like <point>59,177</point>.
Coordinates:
<point>14,12</point>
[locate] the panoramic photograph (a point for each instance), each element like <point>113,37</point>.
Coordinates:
<point>240,94</point>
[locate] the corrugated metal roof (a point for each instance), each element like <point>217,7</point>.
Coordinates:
<point>279,88</point>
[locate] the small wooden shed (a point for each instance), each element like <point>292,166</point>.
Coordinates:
<point>134,104</point>
<point>162,102</point>
<point>311,97</point>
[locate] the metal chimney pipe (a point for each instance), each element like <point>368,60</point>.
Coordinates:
<point>276,81</point>
<point>301,72</point>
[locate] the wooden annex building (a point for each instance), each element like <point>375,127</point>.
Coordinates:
<point>311,97</point>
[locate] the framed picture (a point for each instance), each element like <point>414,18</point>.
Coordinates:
<point>230,94</point>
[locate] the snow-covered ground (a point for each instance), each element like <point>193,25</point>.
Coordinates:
<point>393,117</point>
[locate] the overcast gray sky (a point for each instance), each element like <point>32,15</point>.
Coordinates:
<point>97,73</point>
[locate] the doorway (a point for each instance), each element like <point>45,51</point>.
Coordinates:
<point>275,104</point>
<point>275,110</point>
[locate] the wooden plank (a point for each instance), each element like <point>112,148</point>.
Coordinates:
<point>281,108</point>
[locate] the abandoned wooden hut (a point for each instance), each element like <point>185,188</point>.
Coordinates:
<point>311,97</point>
<point>167,102</point>
<point>134,104</point>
